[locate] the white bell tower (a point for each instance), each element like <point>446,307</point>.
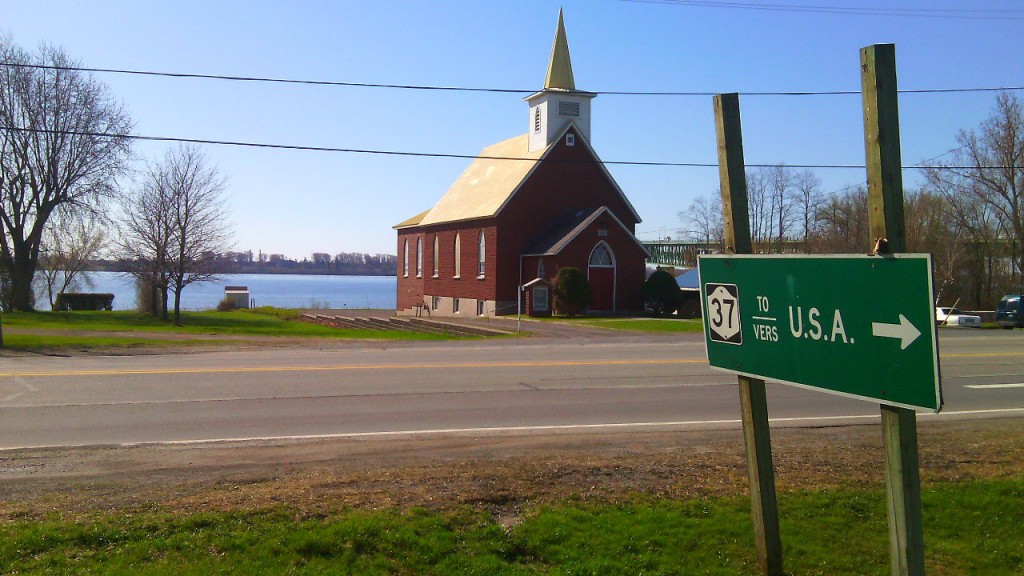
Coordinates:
<point>559,103</point>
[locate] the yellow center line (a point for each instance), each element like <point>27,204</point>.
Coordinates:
<point>982,355</point>
<point>344,367</point>
<point>428,366</point>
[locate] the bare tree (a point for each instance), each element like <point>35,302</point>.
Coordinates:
<point>988,168</point>
<point>179,217</point>
<point>783,204</point>
<point>843,217</point>
<point>702,220</point>
<point>758,199</point>
<point>980,275</point>
<point>70,240</point>
<point>771,203</point>
<point>62,145</point>
<point>145,239</point>
<point>808,199</point>
<point>932,228</point>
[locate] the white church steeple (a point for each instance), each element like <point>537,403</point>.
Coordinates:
<point>559,103</point>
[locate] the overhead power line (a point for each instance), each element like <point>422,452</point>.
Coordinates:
<point>440,154</point>
<point>941,13</point>
<point>478,89</point>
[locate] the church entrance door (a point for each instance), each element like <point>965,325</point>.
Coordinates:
<point>601,273</point>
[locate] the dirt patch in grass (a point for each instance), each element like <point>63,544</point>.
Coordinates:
<point>502,474</point>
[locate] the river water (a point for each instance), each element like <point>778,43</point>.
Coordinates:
<point>278,290</point>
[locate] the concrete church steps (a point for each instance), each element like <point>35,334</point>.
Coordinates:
<point>421,325</point>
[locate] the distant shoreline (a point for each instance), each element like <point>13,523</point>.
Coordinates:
<point>287,267</point>
<point>270,272</point>
<point>281,290</point>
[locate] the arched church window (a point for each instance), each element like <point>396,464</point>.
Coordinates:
<point>419,257</point>
<point>435,255</point>
<point>481,256</point>
<point>458,255</point>
<point>405,260</point>
<point>601,256</point>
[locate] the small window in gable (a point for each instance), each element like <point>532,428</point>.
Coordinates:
<point>569,109</point>
<point>570,139</point>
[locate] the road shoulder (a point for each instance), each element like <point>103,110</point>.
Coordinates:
<point>504,473</point>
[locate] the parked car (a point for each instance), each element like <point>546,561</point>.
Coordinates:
<point>954,317</point>
<point>1010,311</point>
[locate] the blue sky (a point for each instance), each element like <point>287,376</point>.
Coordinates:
<point>295,202</point>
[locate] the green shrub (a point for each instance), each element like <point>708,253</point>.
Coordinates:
<point>83,301</point>
<point>572,291</point>
<point>281,313</point>
<point>227,305</point>
<point>661,293</point>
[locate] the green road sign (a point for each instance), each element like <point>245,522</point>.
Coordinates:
<point>860,326</point>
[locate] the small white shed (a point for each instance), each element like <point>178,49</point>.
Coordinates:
<point>239,295</point>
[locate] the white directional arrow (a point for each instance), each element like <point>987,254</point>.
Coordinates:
<point>905,331</point>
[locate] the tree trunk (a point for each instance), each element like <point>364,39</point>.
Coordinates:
<point>163,304</point>
<point>22,273</point>
<point>177,307</point>
<point>154,301</point>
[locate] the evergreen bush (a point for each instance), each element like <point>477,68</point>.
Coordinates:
<point>572,291</point>
<point>83,301</point>
<point>661,293</point>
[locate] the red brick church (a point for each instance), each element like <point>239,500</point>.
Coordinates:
<point>523,209</point>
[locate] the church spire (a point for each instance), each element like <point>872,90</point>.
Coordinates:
<point>559,104</point>
<point>560,68</point>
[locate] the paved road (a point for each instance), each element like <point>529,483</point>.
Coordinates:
<point>538,384</point>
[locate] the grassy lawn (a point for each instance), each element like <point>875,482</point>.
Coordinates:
<point>256,322</point>
<point>971,527</point>
<point>637,324</point>
<point>38,342</point>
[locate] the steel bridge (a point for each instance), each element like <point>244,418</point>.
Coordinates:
<point>677,254</point>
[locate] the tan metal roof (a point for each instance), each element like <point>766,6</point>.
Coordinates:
<point>560,67</point>
<point>494,177</point>
<point>487,184</point>
<point>414,221</point>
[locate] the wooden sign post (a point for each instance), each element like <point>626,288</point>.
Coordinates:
<point>756,434</point>
<point>722,309</point>
<point>887,227</point>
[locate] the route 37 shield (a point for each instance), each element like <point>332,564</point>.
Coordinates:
<point>724,313</point>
